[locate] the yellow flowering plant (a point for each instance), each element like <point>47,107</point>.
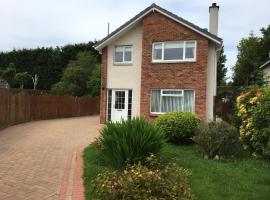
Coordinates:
<point>254,112</point>
<point>152,181</point>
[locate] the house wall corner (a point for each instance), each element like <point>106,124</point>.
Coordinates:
<point>103,88</point>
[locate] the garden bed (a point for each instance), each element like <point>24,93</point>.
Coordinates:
<point>246,178</point>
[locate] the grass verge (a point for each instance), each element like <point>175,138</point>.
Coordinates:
<point>246,178</point>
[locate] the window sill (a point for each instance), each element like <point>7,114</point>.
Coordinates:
<point>155,115</point>
<point>173,62</point>
<point>122,64</point>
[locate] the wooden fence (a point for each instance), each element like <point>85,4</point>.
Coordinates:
<point>21,106</point>
<point>225,102</point>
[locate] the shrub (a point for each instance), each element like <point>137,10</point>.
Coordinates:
<point>254,112</point>
<point>130,141</point>
<point>218,139</point>
<point>140,182</point>
<point>178,127</point>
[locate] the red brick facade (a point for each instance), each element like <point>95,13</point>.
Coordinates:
<point>157,28</point>
<point>103,92</point>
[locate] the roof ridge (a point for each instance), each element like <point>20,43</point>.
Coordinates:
<point>155,6</point>
<point>187,22</point>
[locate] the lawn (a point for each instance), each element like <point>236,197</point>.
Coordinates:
<point>247,178</point>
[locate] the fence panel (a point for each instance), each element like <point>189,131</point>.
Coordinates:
<point>24,106</point>
<point>4,108</point>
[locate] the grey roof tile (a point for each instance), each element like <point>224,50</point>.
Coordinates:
<point>152,6</point>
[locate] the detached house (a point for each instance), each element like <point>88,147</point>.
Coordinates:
<point>158,62</point>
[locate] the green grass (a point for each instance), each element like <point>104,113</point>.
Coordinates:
<point>92,166</point>
<point>239,179</point>
<point>247,178</point>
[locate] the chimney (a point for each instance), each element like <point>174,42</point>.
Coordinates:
<point>213,22</point>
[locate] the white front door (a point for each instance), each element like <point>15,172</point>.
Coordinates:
<point>119,105</point>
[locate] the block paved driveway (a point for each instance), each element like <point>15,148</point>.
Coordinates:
<point>33,155</point>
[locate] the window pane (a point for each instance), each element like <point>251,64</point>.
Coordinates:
<point>171,104</point>
<point>127,48</point>
<point>173,51</point>
<point>129,104</point>
<point>118,55</point>
<point>189,101</point>
<point>155,101</point>
<point>172,92</point>
<point>119,100</point>
<point>190,50</point>
<point>128,54</point>
<point>157,51</point>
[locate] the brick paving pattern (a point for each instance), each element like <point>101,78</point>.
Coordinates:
<point>34,157</point>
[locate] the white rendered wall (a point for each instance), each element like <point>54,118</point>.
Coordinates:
<point>127,76</point>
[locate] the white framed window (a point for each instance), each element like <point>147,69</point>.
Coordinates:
<point>174,51</point>
<point>123,54</point>
<point>170,100</point>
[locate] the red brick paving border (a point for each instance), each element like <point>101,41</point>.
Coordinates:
<point>64,185</point>
<point>78,189</point>
<point>77,185</point>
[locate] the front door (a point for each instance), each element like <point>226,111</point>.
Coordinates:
<point>119,105</point>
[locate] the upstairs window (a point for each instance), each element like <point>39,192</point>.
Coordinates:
<point>122,54</point>
<point>190,50</point>
<point>174,51</point>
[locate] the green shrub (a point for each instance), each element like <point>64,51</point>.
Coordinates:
<point>254,112</point>
<point>178,127</point>
<point>130,141</point>
<point>218,139</point>
<point>140,182</point>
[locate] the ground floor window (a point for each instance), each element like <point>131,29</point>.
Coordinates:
<point>169,100</point>
<point>109,112</point>
<point>129,104</point>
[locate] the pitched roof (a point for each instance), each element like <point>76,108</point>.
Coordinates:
<point>99,45</point>
<point>267,63</point>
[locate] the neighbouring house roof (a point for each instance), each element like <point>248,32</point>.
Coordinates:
<point>267,63</point>
<point>102,43</point>
<point>3,83</point>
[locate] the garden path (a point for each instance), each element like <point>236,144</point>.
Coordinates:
<point>38,159</point>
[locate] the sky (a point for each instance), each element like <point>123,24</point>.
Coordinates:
<point>38,23</point>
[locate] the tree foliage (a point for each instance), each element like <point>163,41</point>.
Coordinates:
<point>221,68</point>
<point>93,84</point>
<point>265,43</point>
<point>47,63</point>
<point>76,75</point>
<point>9,73</point>
<point>252,52</point>
<point>21,78</point>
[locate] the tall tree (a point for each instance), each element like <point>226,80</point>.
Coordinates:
<point>93,84</point>
<point>265,43</point>
<point>21,78</point>
<point>47,63</point>
<point>246,70</point>
<point>76,75</point>
<point>9,74</point>
<point>221,68</point>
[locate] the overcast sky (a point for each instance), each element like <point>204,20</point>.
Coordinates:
<point>37,23</point>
